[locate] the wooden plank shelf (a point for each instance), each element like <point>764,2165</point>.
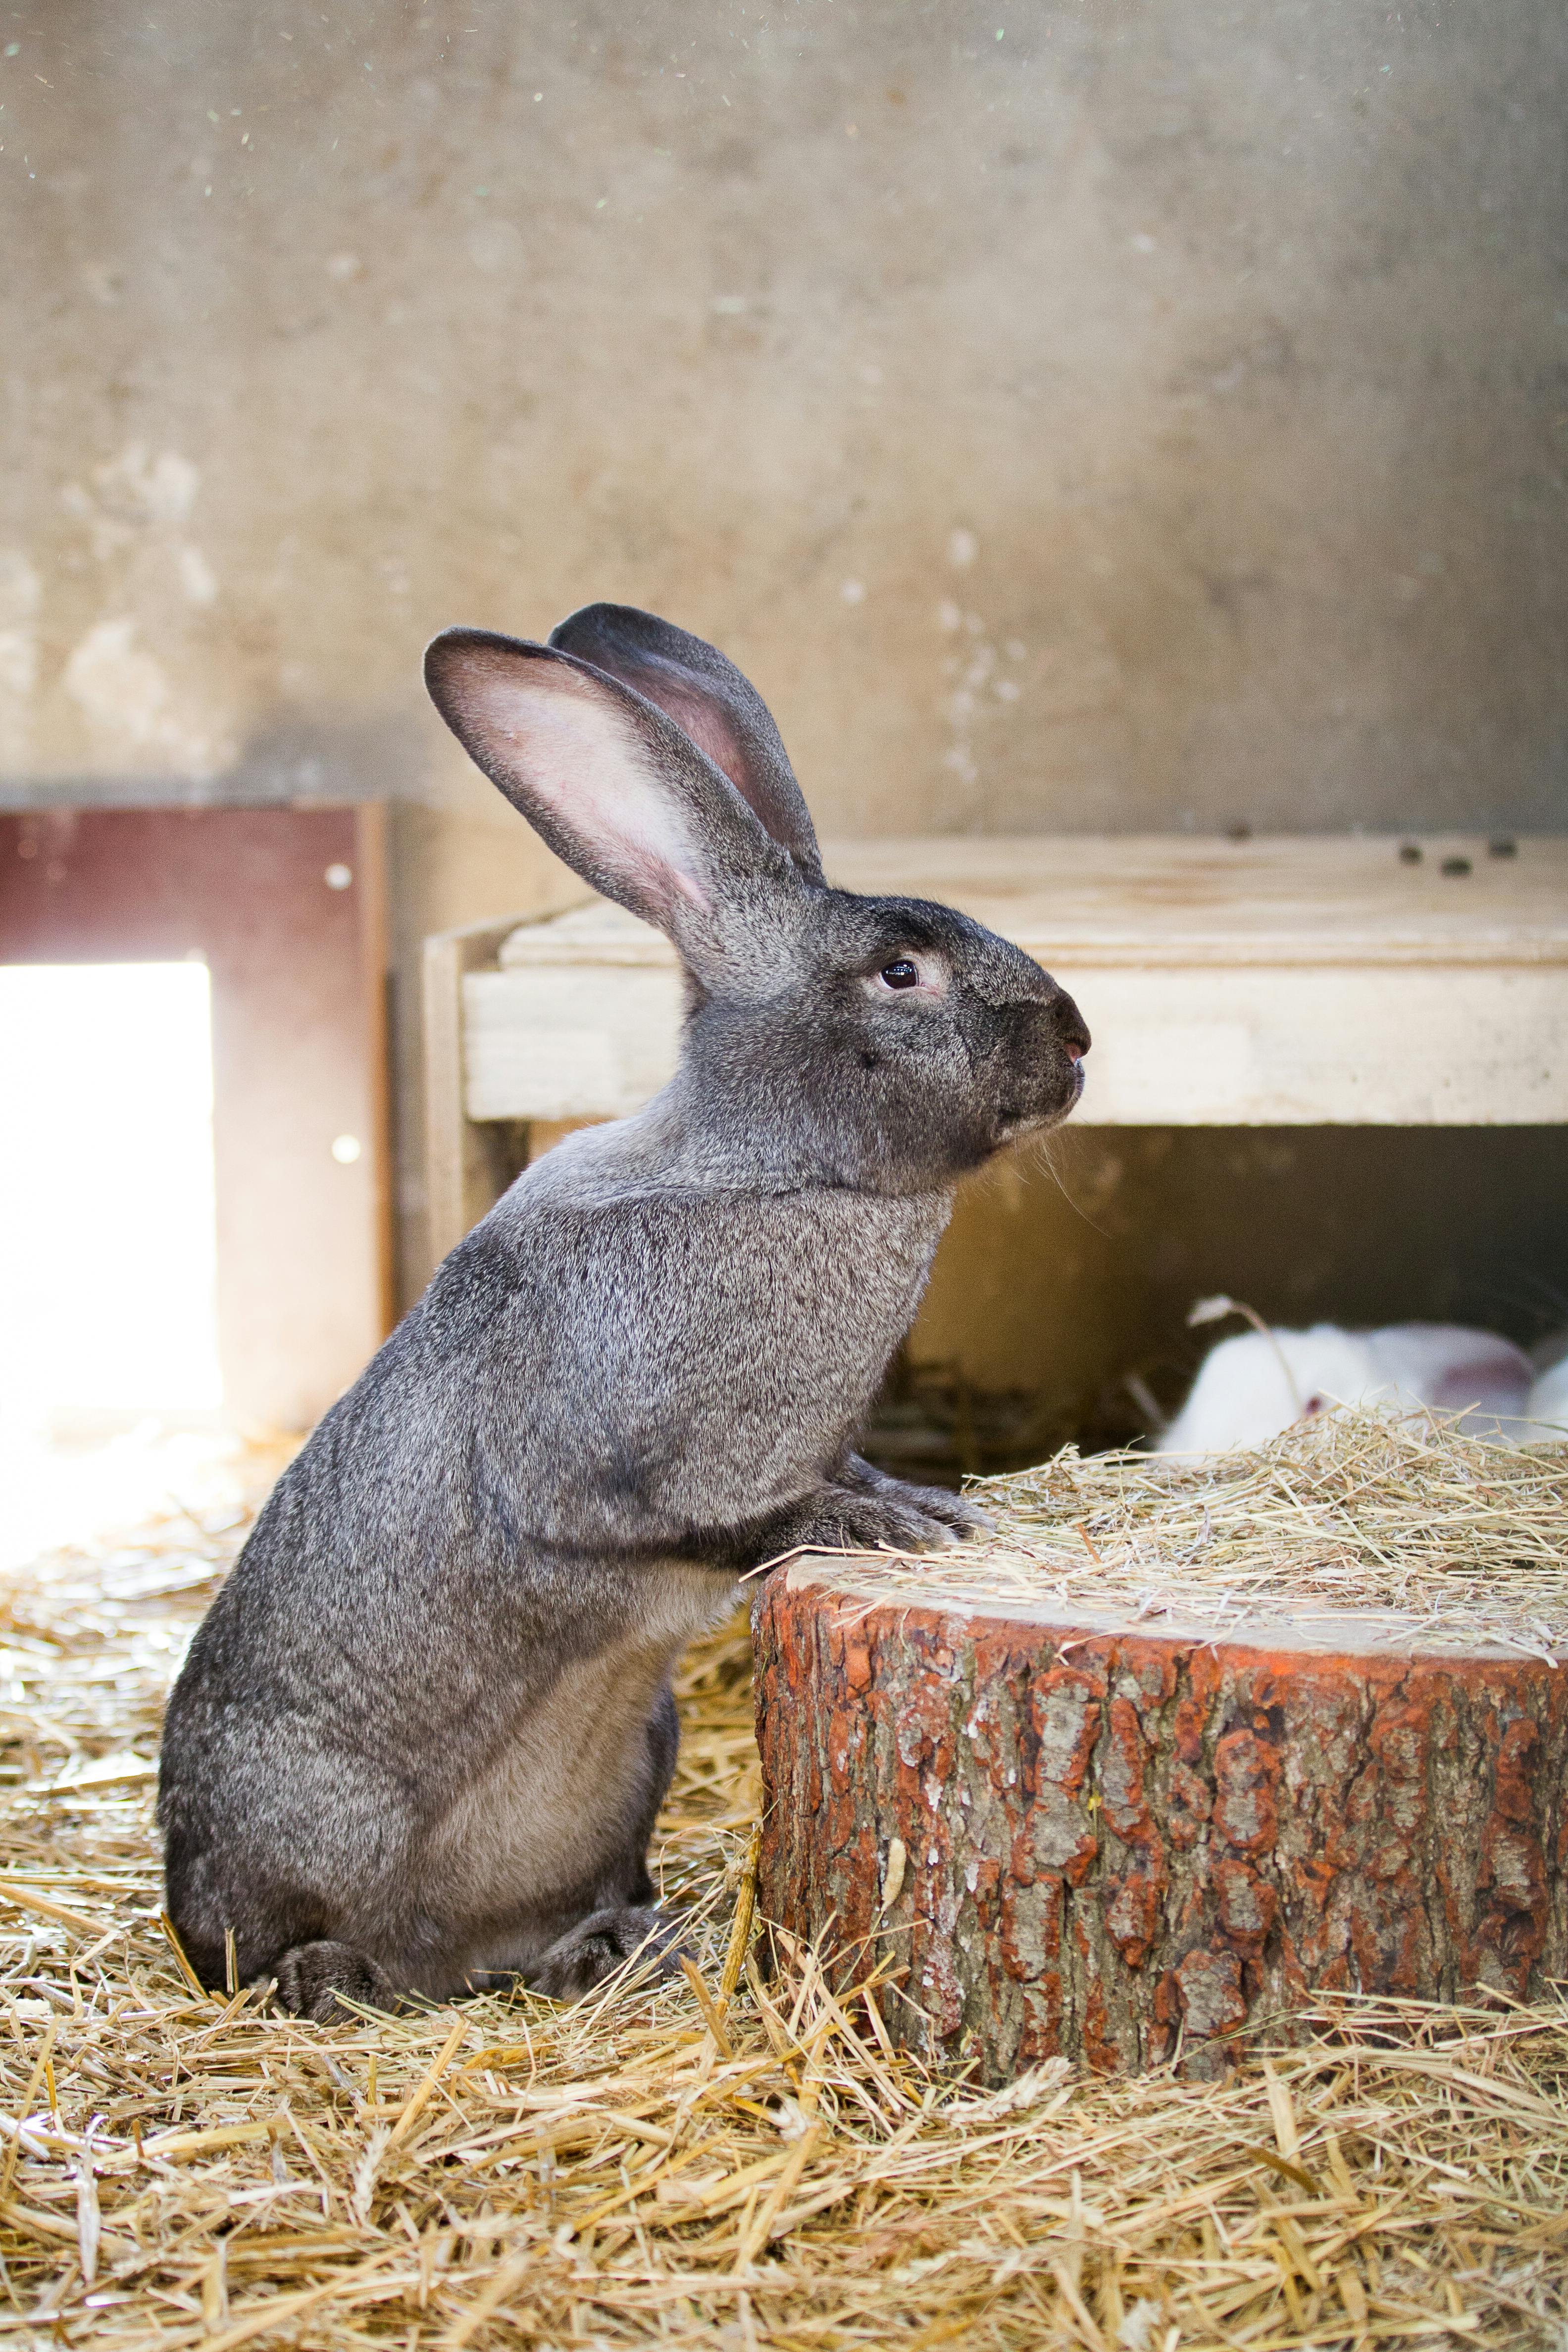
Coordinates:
<point>1287,981</point>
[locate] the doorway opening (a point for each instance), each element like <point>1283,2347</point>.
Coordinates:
<point>111,1390</point>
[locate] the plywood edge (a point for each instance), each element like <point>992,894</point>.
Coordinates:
<point>371,873</point>
<point>453,1169</point>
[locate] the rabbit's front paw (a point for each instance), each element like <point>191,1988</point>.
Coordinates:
<point>940,1502</point>
<point>311,1976</point>
<point>884,1516</point>
<point>600,1944</point>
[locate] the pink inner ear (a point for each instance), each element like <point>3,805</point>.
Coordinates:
<point>707,729</point>
<point>1482,1381</point>
<point>577,756</point>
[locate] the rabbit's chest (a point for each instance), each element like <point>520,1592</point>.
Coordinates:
<point>842,1280</point>
<point>695,1362</point>
<point>776,1364</point>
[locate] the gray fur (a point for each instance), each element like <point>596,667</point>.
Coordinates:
<point>423,1734</point>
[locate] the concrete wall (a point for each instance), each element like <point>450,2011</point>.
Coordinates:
<point>1096,416</point>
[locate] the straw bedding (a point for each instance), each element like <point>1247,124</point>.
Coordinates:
<point>710,2161</point>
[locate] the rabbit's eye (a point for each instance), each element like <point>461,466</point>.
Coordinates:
<point>901,974</point>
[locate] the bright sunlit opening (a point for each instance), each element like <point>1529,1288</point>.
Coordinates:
<point>107,1195</point>
<point>108,1238</point>
<point>107,1201</point>
<point>109,1363</point>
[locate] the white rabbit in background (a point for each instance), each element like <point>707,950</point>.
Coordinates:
<point>1548,1405</point>
<point>1251,1388</point>
<point>1445,1365</point>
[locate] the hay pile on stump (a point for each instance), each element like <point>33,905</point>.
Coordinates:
<point>1437,1540</point>
<point>713,2162</point>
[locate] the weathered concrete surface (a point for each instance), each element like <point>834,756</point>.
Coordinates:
<point>1121,1848</point>
<point>1150,417</point>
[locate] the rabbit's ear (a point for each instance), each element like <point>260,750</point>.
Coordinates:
<point>707,696</point>
<point>1449,1366</point>
<point>614,787</point>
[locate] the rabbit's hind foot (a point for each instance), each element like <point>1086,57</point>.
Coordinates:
<point>602,1943</point>
<point>311,1977</point>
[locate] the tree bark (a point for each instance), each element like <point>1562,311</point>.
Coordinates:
<point>1122,1846</point>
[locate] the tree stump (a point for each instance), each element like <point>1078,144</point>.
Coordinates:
<point>1087,1839</point>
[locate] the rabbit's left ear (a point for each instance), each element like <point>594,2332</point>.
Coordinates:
<point>721,709</point>
<point>618,790</point>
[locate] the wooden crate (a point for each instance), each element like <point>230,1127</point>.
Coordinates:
<point>1282,981</point>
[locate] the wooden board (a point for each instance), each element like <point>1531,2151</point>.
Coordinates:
<point>1298,981</point>
<point>459,1183</point>
<point>1165,901</point>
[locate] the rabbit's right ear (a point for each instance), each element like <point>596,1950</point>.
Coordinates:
<point>715,703</point>
<point>616,787</point>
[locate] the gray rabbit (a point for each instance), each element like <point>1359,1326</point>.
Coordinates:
<point>422,1736</point>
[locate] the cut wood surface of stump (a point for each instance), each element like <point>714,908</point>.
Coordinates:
<point>1056,1830</point>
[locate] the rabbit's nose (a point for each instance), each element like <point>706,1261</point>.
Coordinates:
<point>1072,1026</point>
